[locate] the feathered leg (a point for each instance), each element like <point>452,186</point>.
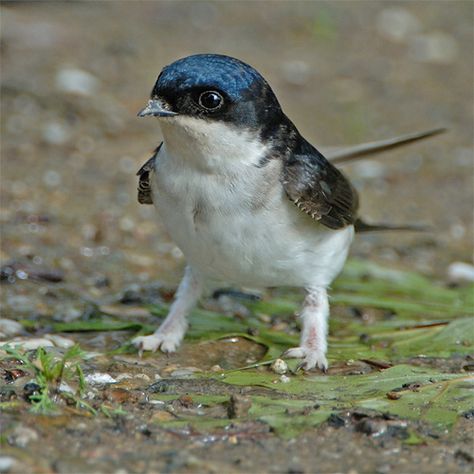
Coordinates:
<point>313,344</point>
<point>169,335</point>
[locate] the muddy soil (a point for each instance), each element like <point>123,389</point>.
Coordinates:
<point>75,240</point>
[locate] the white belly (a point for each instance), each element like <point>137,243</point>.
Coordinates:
<point>233,231</point>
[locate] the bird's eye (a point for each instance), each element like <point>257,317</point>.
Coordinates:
<point>211,100</point>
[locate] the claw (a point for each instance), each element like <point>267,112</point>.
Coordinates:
<point>300,366</point>
<point>311,358</point>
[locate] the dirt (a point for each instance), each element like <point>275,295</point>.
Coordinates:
<point>75,241</point>
<point>85,446</point>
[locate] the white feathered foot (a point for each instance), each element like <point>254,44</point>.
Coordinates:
<point>313,344</point>
<point>169,335</point>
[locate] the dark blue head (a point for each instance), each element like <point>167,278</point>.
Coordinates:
<point>215,87</point>
<point>207,71</point>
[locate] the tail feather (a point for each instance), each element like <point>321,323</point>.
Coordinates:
<point>363,150</point>
<point>361,226</point>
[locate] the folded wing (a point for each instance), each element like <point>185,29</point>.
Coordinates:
<point>318,188</point>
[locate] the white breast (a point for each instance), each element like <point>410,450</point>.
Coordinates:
<point>231,218</point>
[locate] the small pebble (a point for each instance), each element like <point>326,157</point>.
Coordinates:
<point>160,416</point>
<point>59,341</point>
<point>52,178</point>
<point>396,24</point>
<point>10,327</point>
<point>55,133</point>
<point>124,376</point>
<point>144,377</point>
<point>98,378</point>
<point>119,395</point>
<point>184,372</point>
<point>460,272</point>
<point>436,47</point>
<point>285,379</point>
<point>29,344</point>
<point>394,395</point>
<point>156,402</point>
<point>279,366</point>
<point>76,81</point>
<point>65,388</point>
<point>6,463</point>
<point>22,436</point>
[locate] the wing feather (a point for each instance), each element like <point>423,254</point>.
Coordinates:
<point>318,188</point>
<point>145,195</point>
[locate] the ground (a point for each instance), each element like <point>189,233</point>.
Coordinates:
<point>82,259</point>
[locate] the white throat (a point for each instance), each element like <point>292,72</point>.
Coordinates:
<point>211,147</point>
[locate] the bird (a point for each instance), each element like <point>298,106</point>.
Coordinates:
<point>246,198</point>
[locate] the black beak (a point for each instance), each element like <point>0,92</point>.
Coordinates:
<point>155,109</point>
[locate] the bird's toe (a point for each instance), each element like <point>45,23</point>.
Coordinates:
<point>166,342</point>
<point>311,358</point>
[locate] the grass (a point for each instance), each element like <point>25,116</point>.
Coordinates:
<point>50,372</point>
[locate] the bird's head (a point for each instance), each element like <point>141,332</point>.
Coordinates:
<point>214,88</point>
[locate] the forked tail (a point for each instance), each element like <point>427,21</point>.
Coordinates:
<point>361,226</point>
<point>364,150</point>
